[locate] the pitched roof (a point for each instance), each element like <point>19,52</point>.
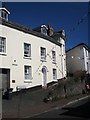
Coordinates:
<point>5,10</point>
<point>28,30</point>
<point>81,44</point>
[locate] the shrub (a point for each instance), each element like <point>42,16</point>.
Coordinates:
<point>79,76</point>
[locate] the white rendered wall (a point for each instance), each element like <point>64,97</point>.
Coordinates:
<point>15,61</point>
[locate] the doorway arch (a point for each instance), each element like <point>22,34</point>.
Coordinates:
<point>44,76</point>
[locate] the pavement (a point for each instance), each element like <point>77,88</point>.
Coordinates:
<point>29,103</point>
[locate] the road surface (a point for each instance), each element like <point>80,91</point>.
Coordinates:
<point>78,110</point>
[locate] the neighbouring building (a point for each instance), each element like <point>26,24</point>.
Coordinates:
<point>29,58</point>
<point>78,59</point>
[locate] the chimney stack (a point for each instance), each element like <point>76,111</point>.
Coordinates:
<point>50,31</point>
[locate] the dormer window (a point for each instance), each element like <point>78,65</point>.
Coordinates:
<point>4,13</point>
<point>41,29</point>
<point>44,29</point>
<point>63,32</point>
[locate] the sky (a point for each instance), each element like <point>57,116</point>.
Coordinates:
<point>60,15</point>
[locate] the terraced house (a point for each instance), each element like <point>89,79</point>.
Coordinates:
<point>78,58</point>
<point>29,57</point>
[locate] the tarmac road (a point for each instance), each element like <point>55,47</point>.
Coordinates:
<point>76,110</point>
<point>30,103</point>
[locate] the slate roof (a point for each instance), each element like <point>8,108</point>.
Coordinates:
<point>28,30</point>
<point>81,44</point>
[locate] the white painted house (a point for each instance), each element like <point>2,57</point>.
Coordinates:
<point>29,57</point>
<point>78,59</point>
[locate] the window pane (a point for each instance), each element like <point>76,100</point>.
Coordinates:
<point>27,50</point>
<point>43,53</point>
<point>54,74</point>
<point>2,44</point>
<point>53,56</point>
<point>27,73</point>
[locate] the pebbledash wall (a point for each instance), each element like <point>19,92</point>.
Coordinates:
<point>13,60</point>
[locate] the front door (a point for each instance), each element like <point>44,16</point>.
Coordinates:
<point>44,77</point>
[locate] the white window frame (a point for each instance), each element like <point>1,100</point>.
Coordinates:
<point>2,45</point>
<point>27,49</point>
<point>54,74</point>
<point>86,53</point>
<point>44,29</point>
<point>27,73</point>
<point>43,53</point>
<point>54,56</point>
